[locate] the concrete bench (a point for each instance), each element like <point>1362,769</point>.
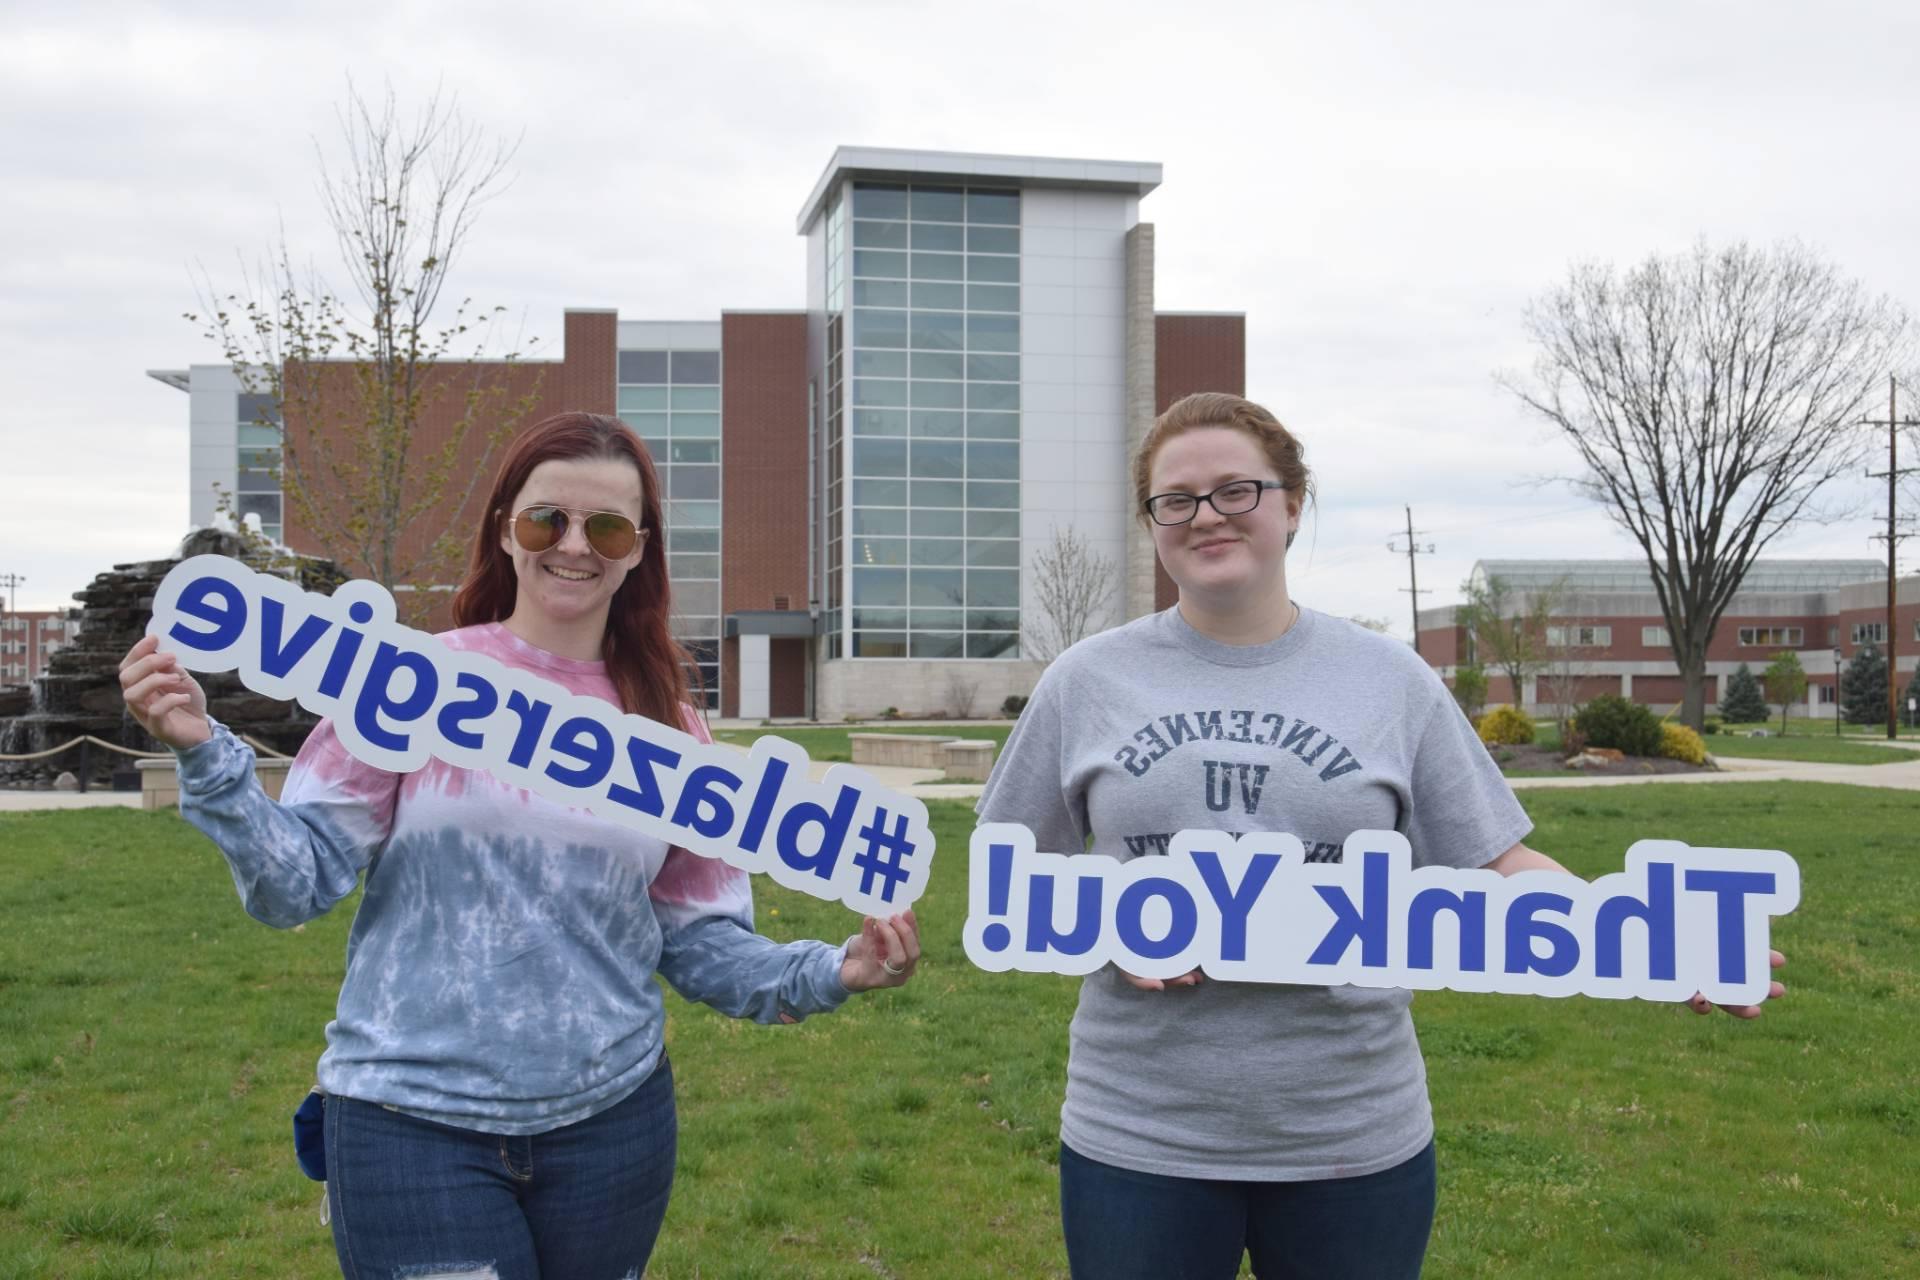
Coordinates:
<point>968,760</point>
<point>160,780</point>
<point>962,759</point>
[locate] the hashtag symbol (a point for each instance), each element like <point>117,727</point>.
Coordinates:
<point>883,853</point>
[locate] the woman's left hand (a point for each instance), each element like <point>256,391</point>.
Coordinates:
<point>882,954</point>
<point>1700,1004</point>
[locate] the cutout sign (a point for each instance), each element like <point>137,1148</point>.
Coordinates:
<point>1678,920</point>
<point>398,697</point>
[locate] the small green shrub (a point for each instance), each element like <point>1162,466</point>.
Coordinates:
<point>1506,726</point>
<point>1713,725</point>
<point>1613,721</point>
<point>1677,742</point>
<point>1013,706</point>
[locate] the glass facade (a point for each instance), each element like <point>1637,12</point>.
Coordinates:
<point>672,400</point>
<point>923,422</point>
<point>256,489</point>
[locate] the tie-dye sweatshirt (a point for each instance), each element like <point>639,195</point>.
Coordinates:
<point>500,968</point>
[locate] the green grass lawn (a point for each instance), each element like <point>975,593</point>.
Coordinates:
<point>832,744</point>
<point>153,1041</point>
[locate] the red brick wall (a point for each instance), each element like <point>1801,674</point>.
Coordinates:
<point>1442,646</point>
<point>763,458</point>
<point>1194,353</point>
<point>318,429</point>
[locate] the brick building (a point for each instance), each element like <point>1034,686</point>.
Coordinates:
<point>28,638</point>
<point>856,491</point>
<point>1614,640</point>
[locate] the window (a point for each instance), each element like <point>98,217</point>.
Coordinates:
<point>1869,633</point>
<point>1580,637</point>
<point>931,458</point>
<point>1772,637</point>
<point>1655,638</point>
<point>1826,694</point>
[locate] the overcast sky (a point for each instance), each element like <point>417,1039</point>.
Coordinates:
<point>1380,187</point>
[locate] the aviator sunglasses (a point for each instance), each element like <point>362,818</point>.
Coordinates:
<point>611,535</point>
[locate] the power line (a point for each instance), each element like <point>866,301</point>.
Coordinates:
<point>1413,575</point>
<point>1893,537</point>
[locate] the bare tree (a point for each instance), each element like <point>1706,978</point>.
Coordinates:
<point>385,438</point>
<point>1565,665</point>
<point>1073,590</point>
<point>1709,396</point>
<point>1507,628</point>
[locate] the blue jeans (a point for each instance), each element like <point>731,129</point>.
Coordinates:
<point>1123,1225</point>
<point>412,1198</point>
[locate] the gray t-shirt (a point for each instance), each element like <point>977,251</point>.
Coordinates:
<point>1152,728</point>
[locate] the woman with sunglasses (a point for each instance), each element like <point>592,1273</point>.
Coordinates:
<point>498,1095</point>
<point>1206,1120</point>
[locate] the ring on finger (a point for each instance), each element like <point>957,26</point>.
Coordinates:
<point>893,969</point>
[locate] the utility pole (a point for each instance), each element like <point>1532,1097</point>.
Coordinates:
<point>10,581</point>
<point>1413,574</point>
<point>1892,537</point>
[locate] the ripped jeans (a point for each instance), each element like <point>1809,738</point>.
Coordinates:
<point>414,1200</point>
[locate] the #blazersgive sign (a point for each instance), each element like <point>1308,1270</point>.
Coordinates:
<point>1676,921</point>
<point>398,697</point>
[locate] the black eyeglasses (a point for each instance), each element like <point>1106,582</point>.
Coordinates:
<point>611,535</point>
<point>1234,498</point>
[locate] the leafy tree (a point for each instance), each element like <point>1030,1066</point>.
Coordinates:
<point>1863,687</point>
<point>385,436</point>
<point>1470,689</point>
<point>1507,629</point>
<point>1709,397</point>
<point>1741,702</point>
<point>1786,682</point>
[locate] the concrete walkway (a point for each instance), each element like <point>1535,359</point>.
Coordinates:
<point>33,801</point>
<point>1904,776</point>
<point>927,783</point>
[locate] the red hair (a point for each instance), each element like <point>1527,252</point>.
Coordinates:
<point>647,665</point>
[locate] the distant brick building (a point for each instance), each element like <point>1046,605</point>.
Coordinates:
<point>28,638</point>
<point>1611,628</point>
<point>856,491</point>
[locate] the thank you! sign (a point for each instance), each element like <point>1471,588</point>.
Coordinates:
<point>1676,921</point>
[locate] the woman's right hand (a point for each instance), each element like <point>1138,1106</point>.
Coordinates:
<point>1192,978</point>
<point>166,701</point>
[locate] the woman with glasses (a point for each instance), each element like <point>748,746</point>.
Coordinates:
<point>1206,1120</point>
<point>498,1098</point>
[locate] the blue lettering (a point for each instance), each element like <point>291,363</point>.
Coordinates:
<point>643,755</point>
<point>586,740</point>
<point>346,646</point>
<point>278,657</point>
<point>833,833</point>
<point>1523,929</point>
<point>1469,908</point>
<point>1235,904</point>
<point>1729,888</point>
<point>227,619</point>
<point>376,695</point>
<point>1656,912</point>
<point>533,718</point>
<point>1368,925</point>
<point>1042,937</point>
<point>708,787</point>
<point>762,809</point>
<point>1133,902</point>
<point>484,701</point>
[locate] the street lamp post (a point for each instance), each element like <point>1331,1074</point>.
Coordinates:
<point>1838,658</point>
